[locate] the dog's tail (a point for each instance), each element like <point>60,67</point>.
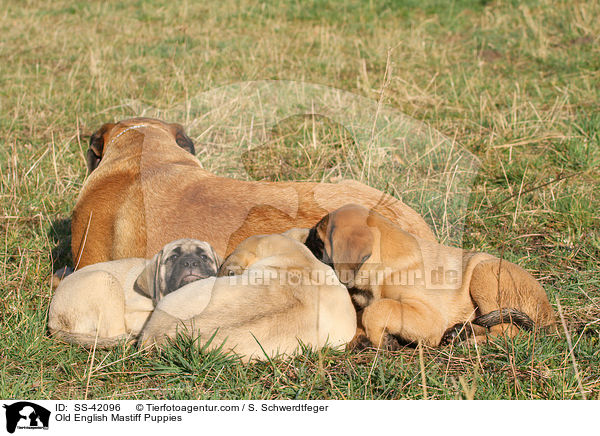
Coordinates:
<point>502,316</point>
<point>90,341</point>
<point>462,331</point>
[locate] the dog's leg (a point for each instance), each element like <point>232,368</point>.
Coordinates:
<point>498,286</point>
<point>183,304</point>
<point>360,341</point>
<point>410,321</point>
<point>159,327</point>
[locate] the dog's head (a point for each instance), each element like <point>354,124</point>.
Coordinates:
<point>261,247</point>
<point>345,239</point>
<point>103,137</point>
<point>362,247</point>
<point>179,262</point>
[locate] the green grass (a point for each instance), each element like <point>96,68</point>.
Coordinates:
<point>515,83</point>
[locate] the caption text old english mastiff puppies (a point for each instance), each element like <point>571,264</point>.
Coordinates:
<point>411,290</point>
<point>105,303</point>
<point>146,188</point>
<point>271,295</point>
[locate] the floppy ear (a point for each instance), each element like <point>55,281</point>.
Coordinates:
<point>315,238</point>
<point>182,139</point>
<point>148,282</point>
<point>237,262</point>
<point>96,148</point>
<point>216,257</point>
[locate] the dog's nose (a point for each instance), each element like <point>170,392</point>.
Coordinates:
<point>191,264</point>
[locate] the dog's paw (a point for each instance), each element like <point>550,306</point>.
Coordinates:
<point>390,343</point>
<point>359,343</point>
<point>150,341</point>
<point>458,332</point>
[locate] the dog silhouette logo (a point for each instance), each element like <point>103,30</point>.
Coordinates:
<point>26,415</point>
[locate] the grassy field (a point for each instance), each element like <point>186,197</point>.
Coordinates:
<point>515,83</point>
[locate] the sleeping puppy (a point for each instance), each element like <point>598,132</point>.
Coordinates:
<point>105,303</point>
<point>410,290</point>
<point>271,293</point>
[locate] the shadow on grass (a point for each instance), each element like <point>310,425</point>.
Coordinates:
<point>60,236</point>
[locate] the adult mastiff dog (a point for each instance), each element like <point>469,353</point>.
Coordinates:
<point>146,188</point>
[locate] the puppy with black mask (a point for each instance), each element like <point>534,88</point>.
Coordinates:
<point>106,303</point>
<point>401,296</point>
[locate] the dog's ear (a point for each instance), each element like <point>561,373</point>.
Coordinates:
<point>216,257</point>
<point>224,268</point>
<point>182,139</point>
<point>149,282</point>
<point>316,236</point>
<point>237,262</point>
<point>96,148</point>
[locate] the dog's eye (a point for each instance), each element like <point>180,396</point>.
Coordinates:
<point>231,272</point>
<point>204,258</point>
<point>173,257</point>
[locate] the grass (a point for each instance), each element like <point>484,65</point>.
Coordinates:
<point>515,83</point>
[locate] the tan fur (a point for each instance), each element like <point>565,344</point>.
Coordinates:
<point>297,234</point>
<point>415,289</point>
<point>109,302</point>
<point>147,191</point>
<point>97,306</point>
<point>265,308</point>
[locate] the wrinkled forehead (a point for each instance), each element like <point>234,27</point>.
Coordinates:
<point>187,246</point>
